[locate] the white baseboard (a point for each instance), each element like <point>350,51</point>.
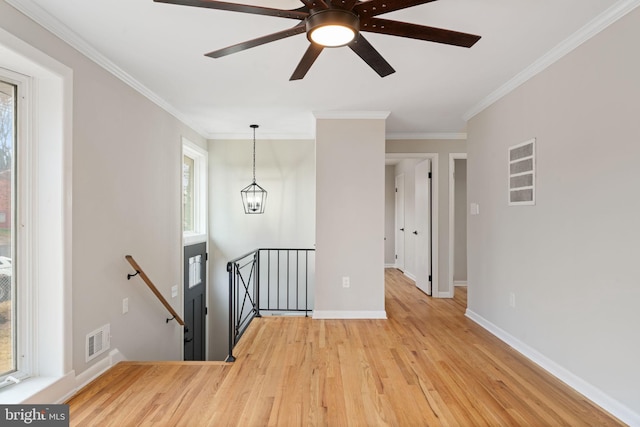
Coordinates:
<point>447,294</point>
<point>459,283</point>
<point>99,368</point>
<point>591,392</point>
<point>389,266</point>
<point>409,275</point>
<point>339,314</point>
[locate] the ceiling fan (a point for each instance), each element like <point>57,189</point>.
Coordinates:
<point>335,23</point>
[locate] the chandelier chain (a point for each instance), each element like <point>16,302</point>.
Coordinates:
<point>254,155</point>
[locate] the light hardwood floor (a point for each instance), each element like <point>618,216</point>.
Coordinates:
<point>427,365</point>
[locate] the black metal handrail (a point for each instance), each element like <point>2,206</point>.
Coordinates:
<point>267,280</point>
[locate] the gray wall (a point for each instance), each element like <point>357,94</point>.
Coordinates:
<point>286,169</point>
<point>389,215</point>
<point>350,217</point>
<point>442,148</point>
<point>126,200</point>
<point>572,259</point>
<point>460,218</point>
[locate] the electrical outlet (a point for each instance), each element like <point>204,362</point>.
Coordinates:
<point>174,291</point>
<point>346,282</point>
<point>512,299</point>
<point>125,306</point>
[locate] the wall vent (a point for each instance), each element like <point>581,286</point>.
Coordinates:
<point>98,342</point>
<point>522,173</point>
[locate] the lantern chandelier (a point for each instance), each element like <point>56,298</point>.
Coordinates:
<point>253,196</point>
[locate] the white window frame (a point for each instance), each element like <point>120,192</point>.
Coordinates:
<point>200,166</point>
<point>23,328</point>
<point>44,155</point>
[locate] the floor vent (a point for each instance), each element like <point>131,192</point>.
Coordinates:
<point>98,342</point>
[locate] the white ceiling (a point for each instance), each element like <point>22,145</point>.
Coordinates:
<point>159,48</point>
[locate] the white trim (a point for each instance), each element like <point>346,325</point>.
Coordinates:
<point>39,15</point>
<point>452,206</point>
<point>263,136</point>
<point>200,158</point>
<point>389,266</point>
<point>41,390</point>
<point>459,283</point>
<point>351,115</point>
<point>50,200</point>
<point>427,135</point>
<point>411,276</point>
<point>339,314</point>
<point>591,392</point>
<point>599,23</point>
<point>97,369</point>
<point>435,185</point>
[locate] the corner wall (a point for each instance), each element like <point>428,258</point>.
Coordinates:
<point>350,211</point>
<point>570,261</point>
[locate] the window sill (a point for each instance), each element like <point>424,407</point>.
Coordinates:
<point>192,238</point>
<point>39,390</point>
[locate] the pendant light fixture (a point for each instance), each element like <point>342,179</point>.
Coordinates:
<point>253,196</point>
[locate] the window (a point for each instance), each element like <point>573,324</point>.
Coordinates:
<point>8,107</point>
<point>41,217</point>
<point>194,193</point>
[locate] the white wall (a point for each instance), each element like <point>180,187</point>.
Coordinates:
<point>389,215</point>
<point>442,148</point>
<point>286,169</point>
<point>350,217</point>
<point>460,219</point>
<point>125,200</point>
<point>572,259</point>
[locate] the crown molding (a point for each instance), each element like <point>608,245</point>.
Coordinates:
<point>427,135</point>
<point>262,136</point>
<point>351,115</point>
<point>53,25</point>
<point>608,17</point>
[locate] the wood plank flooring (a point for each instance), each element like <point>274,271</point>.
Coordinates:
<point>427,365</point>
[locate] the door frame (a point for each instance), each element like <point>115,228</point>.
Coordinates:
<point>452,158</point>
<point>192,149</point>
<point>434,157</point>
<point>399,177</point>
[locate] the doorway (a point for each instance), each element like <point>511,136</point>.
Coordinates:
<point>457,276</point>
<point>195,297</point>
<point>405,165</point>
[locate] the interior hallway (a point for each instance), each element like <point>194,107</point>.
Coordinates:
<point>426,365</point>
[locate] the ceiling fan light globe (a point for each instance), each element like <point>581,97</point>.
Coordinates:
<point>332,27</point>
<point>332,35</point>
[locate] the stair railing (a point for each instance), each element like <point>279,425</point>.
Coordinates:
<point>274,280</point>
<point>153,288</point>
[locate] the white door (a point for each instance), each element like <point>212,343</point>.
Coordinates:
<point>422,231</point>
<point>399,232</point>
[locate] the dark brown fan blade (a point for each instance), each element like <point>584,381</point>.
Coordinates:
<point>298,29</point>
<point>307,61</point>
<point>371,56</point>
<point>315,4</point>
<point>378,7</point>
<point>344,4</point>
<point>235,7</point>
<point>420,32</point>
